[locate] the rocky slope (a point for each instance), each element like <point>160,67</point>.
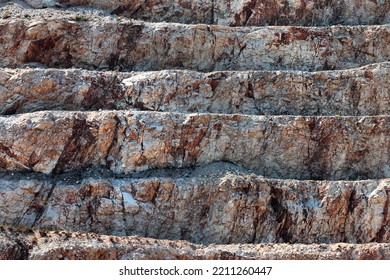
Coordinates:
<point>128,139</point>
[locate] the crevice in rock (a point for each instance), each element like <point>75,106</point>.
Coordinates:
<point>43,208</point>
<point>385,226</point>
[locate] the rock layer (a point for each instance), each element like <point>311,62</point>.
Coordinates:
<point>102,43</point>
<point>363,91</point>
<point>285,141</point>
<point>242,12</point>
<point>44,245</point>
<point>217,203</point>
<point>333,148</point>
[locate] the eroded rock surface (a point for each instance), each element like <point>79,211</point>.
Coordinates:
<point>103,43</point>
<point>242,12</point>
<point>331,148</point>
<point>49,245</point>
<point>29,90</point>
<point>363,91</point>
<point>242,134</point>
<point>218,203</point>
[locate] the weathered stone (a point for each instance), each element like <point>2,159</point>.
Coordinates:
<point>243,12</point>
<point>205,168</point>
<point>276,146</point>
<point>62,245</point>
<point>217,203</point>
<point>29,90</point>
<point>41,3</point>
<point>363,91</point>
<point>13,247</point>
<point>102,43</point>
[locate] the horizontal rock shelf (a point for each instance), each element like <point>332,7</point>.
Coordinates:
<point>252,129</point>
<point>49,245</point>
<point>333,148</point>
<point>104,43</point>
<point>362,91</point>
<point>217,203</point>
<point>252,12</point>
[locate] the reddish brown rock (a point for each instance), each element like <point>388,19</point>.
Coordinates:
<point>243,12</point>
<point>62,245</point>
<point>103,43</point>
<point>333,148</point>
<point>362,91</point>
<point>218,203</point>
<point>223,161</point>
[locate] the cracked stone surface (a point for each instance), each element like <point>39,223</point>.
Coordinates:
<point>362,91</point>
<point>333,148</point>
<point>217,203</point>
<point>194,129</point>
<point>103,43</point>
<point>242,12</point>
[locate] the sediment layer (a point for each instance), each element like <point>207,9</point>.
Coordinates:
<point>272,142</point>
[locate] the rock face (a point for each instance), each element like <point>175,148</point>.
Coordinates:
<point>359,92</point>
<point>105,43</point>
<point>61,245</point>
<point>330,148</point>
<point>146,136</point>
<point>243,12</point>
<point>217,203</point>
